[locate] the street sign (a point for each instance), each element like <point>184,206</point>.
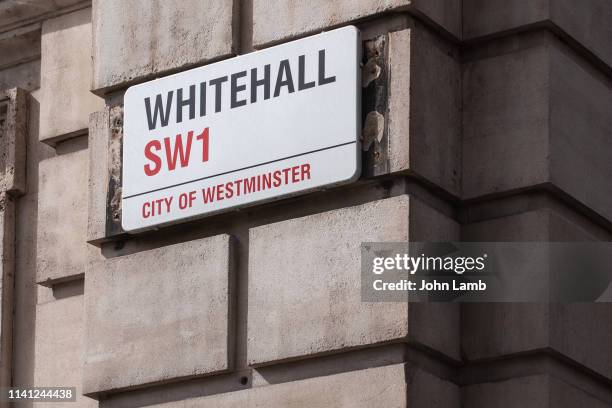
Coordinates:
<point>262,126</point>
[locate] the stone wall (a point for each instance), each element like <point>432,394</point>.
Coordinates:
<point>497,127</point>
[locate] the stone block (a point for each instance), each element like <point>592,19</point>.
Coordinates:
<point>104,199</point>
<point>434,325</point>
<point>97,197</point>
<point>427,390</point>
<point>424,117</point>
<point>19,45</point>
<point>505,121</point>
<point>518,328</point>
<point>536,391</point>
<point>585,340</point>
<point>7,279</point>
<point>293,267</point>
<point>580,128</point>
<point>534,115</point>
<point>137,40</point>
<point>66,101</point>
<point>289,19</point>
<point>535,226</point>
<point>374,387</point>
<point>20,50</point>
<point>508,329</point>
<point>62,217</point>
<point>530,391</point>
<point>158,315</point>
<point>59,348</point>
<point>564,395</point>
<point>35,153</point>
<point>419,109</point>
<point>13,133</point>
<point>25,75</point>
<point>14,12</point>
<point>445,14</point>
<point>586,21</point>
<point>24,300</point>
<point>486,17</point>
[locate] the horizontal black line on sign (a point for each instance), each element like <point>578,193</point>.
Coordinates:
<point>234,171</point>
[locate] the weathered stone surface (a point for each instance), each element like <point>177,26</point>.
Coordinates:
<point>563,395</point>
<point>13,130</point>
<point>62,217</point>
<point>142,38</point>
<point>158,315</point>
<point>585,340</point>
<point>534,391</point>
<point>35,153</point>
<point>59,348</point>
<point>434,325</point>
<point>505,121</point>
<point>25,75</point>
<point>580,128</point>
<point>530,391</point>
<point>425,117</point>
<point>7,274</point>
<point>25,292</point>
<point>66,77</point>
<point>585,21</point>
<point>517,328</point>
<point>507,328</point>
<point>20,62</point>
<point>375,387</point>
<point>19,46</point>
<point>288,19</point>
<point>482,17</point>
<point>14,12</point>
<point>533,226</point>
<point>533,115</point>
<point>542,123</point>
<point>446,14</point>
<point>427,390</point>
<point>98,174</point>
<point>104,199</point>
<point>293,267</point>
<point>412,128</point>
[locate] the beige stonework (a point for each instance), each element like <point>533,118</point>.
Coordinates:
<point>60,327</point>
<point>14,13</point>
<point>62,217</point>
<point>13,133</point>
<point>136,40</point>
<point>66,77</point>
<point>381,386</point>
<point>293,268</point>
<point>158,315</point>
<point>421,142</point>
<point>7,280</point>
<point>287,19</point>
<point>104,190</point>
<point>481,121</point>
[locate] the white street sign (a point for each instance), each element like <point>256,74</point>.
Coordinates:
<point>262,126</point>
